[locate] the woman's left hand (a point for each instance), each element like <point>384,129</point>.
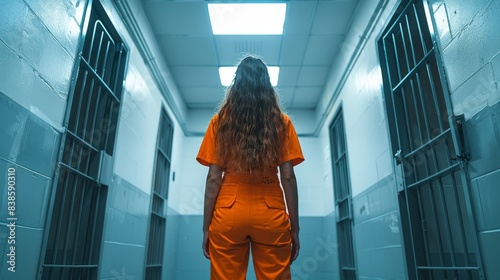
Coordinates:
<point>295,246</point>
<point>204,245</point>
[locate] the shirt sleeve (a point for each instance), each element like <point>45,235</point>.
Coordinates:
<point>206,154</point>
<point>290,148</point>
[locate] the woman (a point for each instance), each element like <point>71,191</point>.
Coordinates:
<point>244,145</point>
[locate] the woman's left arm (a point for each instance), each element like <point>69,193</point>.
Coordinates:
<point>214,181</point>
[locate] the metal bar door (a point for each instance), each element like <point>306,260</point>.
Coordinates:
<point>343,198</point>
<point>73,235</point>
<point>440,235</point>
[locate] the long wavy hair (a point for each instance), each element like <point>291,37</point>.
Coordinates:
<point>250,120</point>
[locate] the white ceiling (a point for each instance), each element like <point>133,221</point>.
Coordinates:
<point>313,33</point>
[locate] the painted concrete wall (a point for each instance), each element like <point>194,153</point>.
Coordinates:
<point>470,46</point>
<point>39,42</point>
<point>33,96</point>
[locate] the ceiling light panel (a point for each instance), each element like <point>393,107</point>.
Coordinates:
<point>227,74</point>
<point>247,18</point>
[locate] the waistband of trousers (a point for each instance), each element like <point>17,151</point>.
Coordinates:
<point>254,179</point>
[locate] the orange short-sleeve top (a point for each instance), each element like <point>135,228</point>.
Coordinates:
<point>290,149</point>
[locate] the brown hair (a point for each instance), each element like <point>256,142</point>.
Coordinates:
<point>250,120</point>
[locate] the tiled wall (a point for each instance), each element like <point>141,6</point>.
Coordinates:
<point>27,145</point>
<point>39,41</point>
<point>470,43</point>
<point>32,36</point>
<point>33,94</point>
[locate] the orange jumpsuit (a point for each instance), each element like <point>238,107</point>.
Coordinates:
<point>250,212</point>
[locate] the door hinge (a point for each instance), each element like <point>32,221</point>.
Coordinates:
<point>463,157</point>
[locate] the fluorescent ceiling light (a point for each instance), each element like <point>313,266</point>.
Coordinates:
<point>227,74</point>
<point>247,19</point>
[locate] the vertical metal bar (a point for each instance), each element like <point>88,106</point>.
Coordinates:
<point>405,52</point>
<point>70,219</point>
<point>78,227</point>
<point>407,118</point>
<point>80,99</point>
<point>396,57</point>
<point>422,40</point>
<point>408,29</point>
<point>434,97</point>
<point>60,218</point>
<point>423,225</point>
<point>109,124</point>
<point>95,120</point>
<point>152,241</point>
<point>438,224</point>
<point>97,189</point>
<point>92,41</point>
<point>105,62</point>
<point>96,64</point>
<point>387,68</point>
<point>162,242</point>
<point>424,108</point>
<point>460,220</point>
<point>87,109</point>
<point>155,239</point>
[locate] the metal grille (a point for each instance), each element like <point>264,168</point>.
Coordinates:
<point>342,189</point>
<point>440,237</point>
<point>73,241</point>
<point>156,240</point>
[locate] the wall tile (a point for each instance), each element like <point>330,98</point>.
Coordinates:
<point>31,196</point>
<point>484,149</point>
<point>488,192</point>
<point>435,4</point>
<point>462,13</point>
<point>125,228</point>
<point>443,26</point>
<point>495,63</point>
<point>63,20</point>
<point>27,250</point>
<point>25,35</point>
<point>476,93</point>
<point>191,274</point>
<point>489,244</point>
<point>122,260</point>
<point>27,140</point>
<point>475,40</point>
<point>171,244</point>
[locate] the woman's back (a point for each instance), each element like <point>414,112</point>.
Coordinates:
<point>244,203</point>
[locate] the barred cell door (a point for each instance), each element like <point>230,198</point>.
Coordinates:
<point>74,228</point>
<point>159,199</point>
<point>439,230</point>
<point>343,198</point>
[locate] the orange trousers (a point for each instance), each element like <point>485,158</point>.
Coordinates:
<point>250,213</point>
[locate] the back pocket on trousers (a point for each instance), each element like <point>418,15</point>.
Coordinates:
<point>277,218</point>
<point>223,215</point>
